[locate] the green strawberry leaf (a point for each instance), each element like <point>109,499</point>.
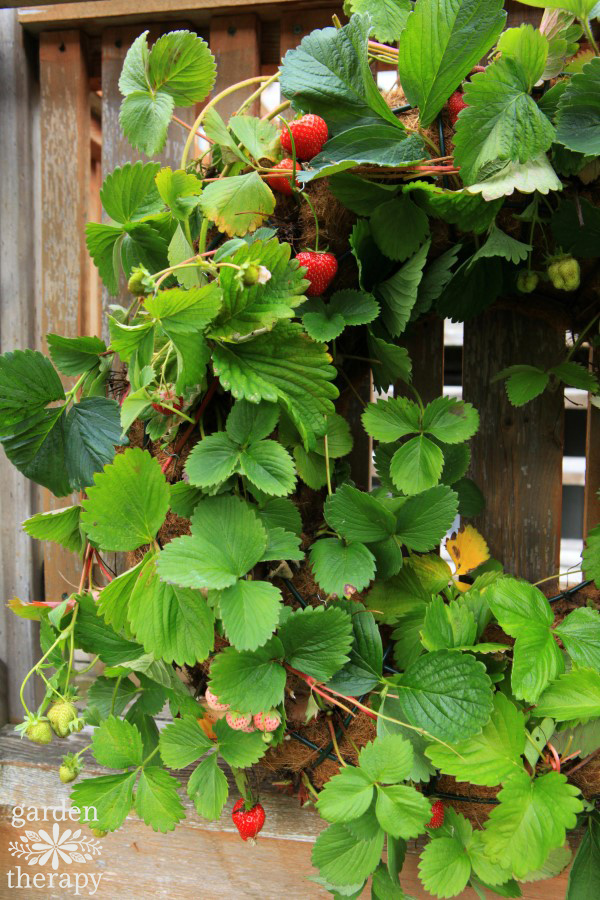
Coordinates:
<point>492,756</point>
<point>317,640</point>
<point>446,694</point>
<point>399,293</point>
<point>390,419</point>
<point>358,516</point>
<point>174,624</point>
<point>61,526</point>
<point>117,744</point>
<point>449,420</point>
<point>269,467</point>
<point>575,695</point>
<point>239,204</point>
<point>249,681</point>
<point>591,555</point>
<point>336,564</point>
<point>578,110</point>
<point>530,820</point>
<point>104,802</point>
<point>157,802</point>
<point>75,356</point>
<point>416,466</point>
<point>183,742</point>
<point>346,796</point>
<point>580,634</point>
<point>208,789</point>
<point>423,520</point>
<point>247,308</point>
<point>283,366</point>
<point>388,17</point>
<point>238,748</point>
<point>127,503</point>
<point>250,612</point>
<point>501,124</point>
<point>329,74</point>
<point>129,193</point>
<point>344,860</point>
<point>227,540</point>
<point>457,37</point>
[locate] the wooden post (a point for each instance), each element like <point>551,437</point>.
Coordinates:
<point>20,560</point>
<point>591,503</point>
<point>425,344</point>
<point>517,452</point>
<point>65,166</point>
<point>297,24</point>
<point>235,43</point>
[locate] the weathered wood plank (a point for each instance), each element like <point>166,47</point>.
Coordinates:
<point>235,43</point>
<point>167,866</point>
<point>425,344</point>
<point>101,12</point>
<point>296,24</point>
<point>591,508</point>
<point>65,167</point>
<point>517,452</point>
<point>20,561</point>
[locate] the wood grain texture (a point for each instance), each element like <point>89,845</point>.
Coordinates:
<point>591,507</point>
<point>20,561</point>
<point>517,452</point>
<point>297,23</point>
<point>200,858</point>
<point>424,341</point>
<point>65,167</point>
<point>94,14</point>
<point>235,43</point>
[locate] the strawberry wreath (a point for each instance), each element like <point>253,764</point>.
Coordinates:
<point>299,624</point>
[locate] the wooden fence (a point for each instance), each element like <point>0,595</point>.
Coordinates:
<point>59,67</point>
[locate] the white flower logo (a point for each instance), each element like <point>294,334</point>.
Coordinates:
<point>38,848</point>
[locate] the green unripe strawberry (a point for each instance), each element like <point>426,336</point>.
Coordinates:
<point>135,285</point>
<point>70,768</point>
<point>97,832</point>
<point>39,732</point>
<point>66,774</point>
<point>63,718</point>
<point>564,273</point>
<point>527,281</point>
<point>251,273</point>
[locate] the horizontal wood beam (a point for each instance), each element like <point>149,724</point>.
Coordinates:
<point>93,14</point>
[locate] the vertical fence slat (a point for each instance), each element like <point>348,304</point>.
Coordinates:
<point>296,25</point>
<point>425,344</point>
<point>65,137</point>
<point>235,42</point>
<point>517,452</point>
<point>20,561</point>
<point>591,503</point>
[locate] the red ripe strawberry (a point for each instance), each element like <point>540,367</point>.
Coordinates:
<point>283,185</point>
<point>477,69</point>
<point>437,815</point>
<point>454,105</point>
<point>170,398</point>
<point>310,133</point>
<point>248,821</point>
<point>320,270</point>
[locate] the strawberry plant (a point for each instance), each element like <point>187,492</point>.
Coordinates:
<point>266,597</point>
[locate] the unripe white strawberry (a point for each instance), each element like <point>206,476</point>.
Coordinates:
<point>213,702</point>
<point>267,721</point>
<point>63,717</point>
<point>249,729</point>
<point>237,720</point>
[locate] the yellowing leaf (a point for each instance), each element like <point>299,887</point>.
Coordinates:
<point>467,550</point>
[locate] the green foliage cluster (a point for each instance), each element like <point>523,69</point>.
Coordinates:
<point>219,333</point>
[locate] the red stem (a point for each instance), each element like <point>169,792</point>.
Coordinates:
<point>103,568</point>
<point>182,440</point>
